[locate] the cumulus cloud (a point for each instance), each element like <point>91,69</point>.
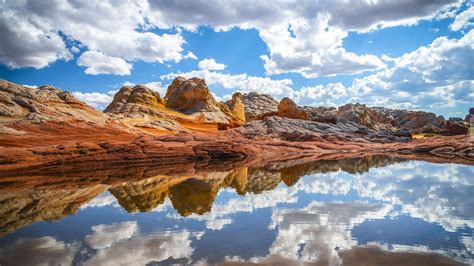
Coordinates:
<point>302,36</point>
<point>104,199</point>
<point>190,55</point>
<point>321,95</point>
<point>36,33</point>
<point>463,19</point>
<point>294,49</point>
<point>433,76</point>
<point>210,64</point>
<point>27,44</point>
<point>241,82</point>
<point>95,99</point>
<point>97,63</point>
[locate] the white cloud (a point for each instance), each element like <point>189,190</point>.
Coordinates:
<point>95,99</point>
<point>433,76</point>
<point>241,82</point>
<point>463,19</point>
<point>104,199</point>
<point>321,95</point>
<point>190,55</point>
<point>28,44</point>
<point>210,64</point>
<point>97,63</point>
<point>303,37</point>
<point>31,32</point>
<point>294,49</point>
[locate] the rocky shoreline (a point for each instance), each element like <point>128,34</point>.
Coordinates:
<point>46,128</point>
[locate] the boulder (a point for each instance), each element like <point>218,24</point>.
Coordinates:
<point>259,106</point>
<point>136,99</point>
<point>453,127</point>
<point>288,108</point>
<point>45,103</point>
<point>236,106</point>
<point>193,97</point>
<point>470,116</point>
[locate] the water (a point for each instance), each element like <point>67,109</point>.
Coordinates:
<point>372,210</point>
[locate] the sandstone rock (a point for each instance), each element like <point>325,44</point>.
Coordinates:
<point>258,106</point>
<point>44,103</point>
<point>470,116</point>
<point>192,97</point>
<point>452,127</point>
<point>136,99</point>
<point>142,109</point>
<point>288,108</point>
<point>237,107</point>
<point>304,130</point>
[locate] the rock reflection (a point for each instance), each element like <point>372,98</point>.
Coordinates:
<point>19,209</point>
<point>365,210</point>
<point>196,194</point>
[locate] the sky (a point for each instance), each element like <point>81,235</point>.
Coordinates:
<point>415,55</point>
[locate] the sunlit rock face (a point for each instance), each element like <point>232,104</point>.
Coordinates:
<point>374,118</point>
<point>45,103</point>
<point>136,99</point>
<point>187,105</point>
<point>193,97</point>
<point>258,106</point>
<point>237,106</point>
<point>288,108</point>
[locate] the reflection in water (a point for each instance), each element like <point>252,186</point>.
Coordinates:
<point>368,210</point>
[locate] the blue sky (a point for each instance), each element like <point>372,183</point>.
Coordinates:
<point>414,55</point>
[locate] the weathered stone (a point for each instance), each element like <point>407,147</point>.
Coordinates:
<point>288,108</point>
<point>236,106</point>
<point>259,106</point>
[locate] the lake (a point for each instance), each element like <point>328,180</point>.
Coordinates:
<point>372,210</point>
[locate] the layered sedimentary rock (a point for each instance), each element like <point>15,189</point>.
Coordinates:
<point>288,108</point>
<point>50,128</point>
<point>259,106</point>
<point>376,118</point>
<point>143,109</point>
<point>193,97</point>
<point>45,103</point>
<point>237,106</point>
<point>188,105</point>
<point>470,116</point>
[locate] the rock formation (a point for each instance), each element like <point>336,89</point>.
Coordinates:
<point>470,116</point>
<point>258,106</point>
<point>376,118</point>
<point>193,97</point>
<point>236,105</point>
<point>188,105</point>
<point>45,127</point>
<point>44,103</point>
<point>288,108</point>
<point>136,99</point>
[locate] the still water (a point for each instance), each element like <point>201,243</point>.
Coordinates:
<point>371,210</point>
